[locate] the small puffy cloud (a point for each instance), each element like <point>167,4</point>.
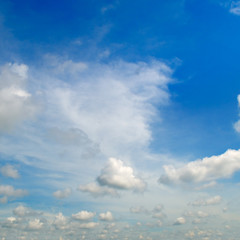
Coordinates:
<point>60,194</point>
<point>235,8</point>
<point>201,214</point>
<point>88,225</point>
<point>9,171</point>
<point>106,216</point>
<point>35,224</point>
<point>15,102</point>
<point>22,211</point>
<point>83,215</point>
<point>140,209</point>
<point>210,201</point>
<point>206,169</point>
<point>96,191</point>
<point>180,221</point>
<point>117,175</point>
<point>9,191</point>
<point>60,222</point>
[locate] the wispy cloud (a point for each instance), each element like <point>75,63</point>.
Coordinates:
<point>235,8</point>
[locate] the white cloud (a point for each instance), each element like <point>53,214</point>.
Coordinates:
<point>83,215</point>
<point>35,224</point>
<point>96,191</point>
<point>207,169</point>
<point>9,171</point>
<point>235,8</point>
<point>207,185</point>
<point>210,201</point>
<point>15,102</point>
<point>22,211</point>
<point>237,124</point>
<point>9,191</point>
<point>120,96</point>
<point>140,209</point>
<point>117,175</point>
<point>60,222</point>
<point>180,221</point>
<point>88,225</point>
<point>60,194</point>
<point>106,216</point>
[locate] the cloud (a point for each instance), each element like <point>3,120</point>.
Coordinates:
<point>83,215</point>
<point>237,124</point>
<point>60,194</point>
<point>35,224</point>
<point>140,209</point>
<point>9,171</point>
<point>207,185</point>
<point>22,211</point>
<point>106,216</point>
<point>116,175</point>
<point>9,191</point>
<point>96,191</point>
<point>3,200</point>
<point>60,222</point>
<point>207,169</point>
<point>210,201</point>
<point>235,8</point>
<point>113,103</point>
<point>180,221</point>
<point>15,102</point>
<point>88,225</point>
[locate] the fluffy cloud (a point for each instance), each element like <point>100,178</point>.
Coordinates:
<point>210,201</point>
<point>235,8</point>
<point>83,215</point>
<point>9,171</point>
<point>15,102</point>
<point>88,225</point>
<point>60,222</point>
<point>9,191</point>
<point>180,221</point>
<point>35,224</point>
<point>96,191</point>
<point>207,169</point>
<point>116,175</point>
<point>106,216</point>
<point>22,211</point>
<point>60,194</point>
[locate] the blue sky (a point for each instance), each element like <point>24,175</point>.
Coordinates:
<point>119,120</point>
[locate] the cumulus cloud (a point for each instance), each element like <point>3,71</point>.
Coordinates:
<point>15,102</point>
<point>60,222</point>
<point>235,8</point>
<point>35,224</point>
<point>207,185</point>
<point>106,216</point>
<point>180,221</point>
<point>9,191</point>
<point>22,211</point>
<point>9,171</point>
<point>83,215</point>
<point>96,191</point>
<point>88,225</point>
<point>206,169</point>
<point>60,194</point>
<point>210,201</point>
<point>117,175</point>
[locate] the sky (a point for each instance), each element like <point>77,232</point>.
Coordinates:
<point>119,119</point>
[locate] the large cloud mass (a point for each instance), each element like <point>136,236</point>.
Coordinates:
<point>206,169</point>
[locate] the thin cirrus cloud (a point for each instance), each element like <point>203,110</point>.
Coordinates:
<point>235,8</point>
<point>206,169</point>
